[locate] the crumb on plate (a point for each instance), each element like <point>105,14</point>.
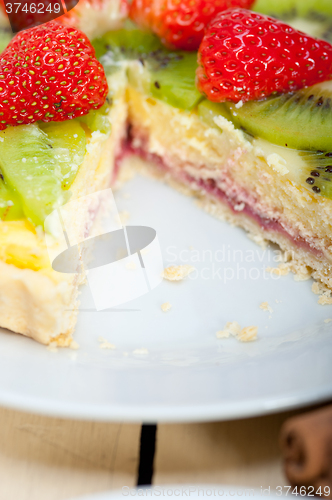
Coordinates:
<point>323,292</point>
<point>266,307</point>
<point>166,306</point>
<point>177,273</point>
<point>104,344</point>
<point>247,334</point>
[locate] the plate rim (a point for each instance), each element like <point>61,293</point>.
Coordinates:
<point>158,414</point>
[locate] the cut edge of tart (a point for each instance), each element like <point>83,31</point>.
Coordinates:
<point>35,300</point>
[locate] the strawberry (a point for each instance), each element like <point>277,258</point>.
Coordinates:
<point>180,23</point>
<point>49,73</point>
<point>246,56</point>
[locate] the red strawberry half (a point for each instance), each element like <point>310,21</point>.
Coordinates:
<point>49,73</point>
<point>246,56</point>
<point>180,24</point>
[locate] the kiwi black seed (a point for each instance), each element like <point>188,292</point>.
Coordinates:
<point>315,172</point>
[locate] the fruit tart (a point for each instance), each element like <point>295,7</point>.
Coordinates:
<point>230,100</point>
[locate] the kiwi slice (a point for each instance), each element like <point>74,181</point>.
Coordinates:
<point>299,120</point>
<point>311,169</point>
<point>97,120</point>
<point>30,168</point>
<point>164,74</point>
<point>314,17</point>
<point>10,204</point>
<point>68,140</point>
<point>5,36</point>
<point>208,111</point>
<point>39,161</point>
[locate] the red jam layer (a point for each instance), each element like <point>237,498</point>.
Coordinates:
<point>211,187</point>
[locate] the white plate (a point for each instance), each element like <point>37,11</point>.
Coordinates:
<point>187,374</point>
<point>193,491</point>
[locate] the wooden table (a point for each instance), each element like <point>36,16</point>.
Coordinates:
<point>52,459</point>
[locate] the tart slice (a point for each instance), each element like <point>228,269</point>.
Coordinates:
<point>64,149</point>
<point>264,164</point>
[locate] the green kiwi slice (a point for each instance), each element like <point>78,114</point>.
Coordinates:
<point>29,167</point>
<point>5,37</point>
<point>97,120</point>
<point>311,169</point>
<point>164,74</point>
<point>300,120</point>
<point>314,17</point>
<point>68,140</point>
<point>208,111</point>
<point>10,204</point>
<point>38,162</point>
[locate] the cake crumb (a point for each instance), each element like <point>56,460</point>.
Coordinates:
<point>239,207</point>
<point>177,273</point>
<point>104,344</point>
<point>239,104</point>
<point>52,347</point>
<point>266,307</point>
<point>281,270</point>
<point>327,320</point>
<point>323,292</point>
<point>131,265</point>
<point>319,288</point>
<point>74,345</point>
<point>231,328</point>
<point>325,300</point>
<point>302,272</point>
<point>166,306</point>
<point>141,351</point>
<point>248,334</point>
